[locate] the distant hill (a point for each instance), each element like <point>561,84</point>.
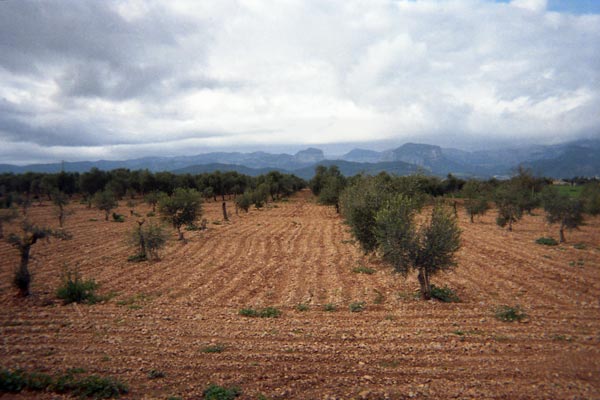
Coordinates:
<point>362,155</point>
<point>429,157</point>
<point>209,168</point>
<point>349,168</point>
<point>579,158</point>
<point>575,160</point>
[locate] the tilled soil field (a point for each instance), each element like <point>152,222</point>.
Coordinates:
<point>167,315</point>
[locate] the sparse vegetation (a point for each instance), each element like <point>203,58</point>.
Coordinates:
<point>357,306</point>
<point>267,312</point>
<point>302,307</point>
<point>156,374</point>
<point>444,294</point>
<point>118,217</point>
<point>74,289</point>
<point>361,269</point>
<point>214,348</point>
<point>510,314</point>
<point>547,241</point>
<point>94,386</point>
<point>329,307</point>
<point>216,392</point>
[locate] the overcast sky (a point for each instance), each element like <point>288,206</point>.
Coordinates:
<point>123,79</point>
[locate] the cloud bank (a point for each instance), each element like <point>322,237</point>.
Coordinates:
<point>121,79</point>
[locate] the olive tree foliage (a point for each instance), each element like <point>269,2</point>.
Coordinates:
<point>151,198</point>
<point>360,202</point>
<point>23,243</point>
<point>476,200</point>
<point>148,238</point>
<point>183,207</point>
<point>427,249</point>
<point>510,200</point>
<point>244,201</point>
<point>365,195</point>
<point>591,198</point>
<point>327,185</point>
<point>562,209</point>
<point>105,201</point>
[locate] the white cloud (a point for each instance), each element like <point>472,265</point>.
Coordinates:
<point>194,75</point>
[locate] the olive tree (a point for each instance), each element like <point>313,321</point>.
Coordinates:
<point>360,203</point>
<point>562,209</point>
<point>148,239</point>
<point>60,200</point>
<point>181,208</point>
<point>151,198</point>
<point>30,235</point>
<point>105,201</point>
<point>510,200</point>
<point>427,249</point>
<point>476,202</point>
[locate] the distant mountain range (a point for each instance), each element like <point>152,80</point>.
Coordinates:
<point>578,158</point>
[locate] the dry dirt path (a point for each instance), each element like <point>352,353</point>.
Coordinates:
<point>163,314</point>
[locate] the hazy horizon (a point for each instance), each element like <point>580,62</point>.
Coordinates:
<point>125,79</point>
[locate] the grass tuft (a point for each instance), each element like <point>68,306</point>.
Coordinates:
<point>444,294</point>
<point>510,314</point>
<point>547,241</point>
<point>357,306</point>
<point>267,312</point>
<point>216,392</point>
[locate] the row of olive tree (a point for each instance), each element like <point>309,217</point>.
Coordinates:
<point>126,183</point>
<point>522,193</point>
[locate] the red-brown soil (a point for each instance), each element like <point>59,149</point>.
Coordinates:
<point>164,313</point>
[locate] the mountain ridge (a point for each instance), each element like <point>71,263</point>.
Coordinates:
<point>577,158</point>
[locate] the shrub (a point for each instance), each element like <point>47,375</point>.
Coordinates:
<point>12,381</point>
<point>267,312</point>
<point>94,386</point>
<point>216,392</point>
<point>302,307</point>
<point>76,290</point>
<point>329,307</point>
<point>510,314</point>
<point>444,294</point>
<point>357,306</point>
<point>547,241</point>
<point>99,387</point>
